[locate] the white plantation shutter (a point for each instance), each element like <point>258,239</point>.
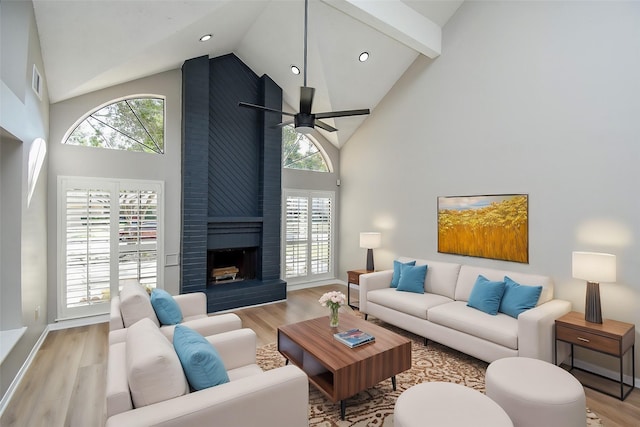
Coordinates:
<point>108,234</point>
<point>87,246</point>
<point>296,246</point>
<point>308,237</point>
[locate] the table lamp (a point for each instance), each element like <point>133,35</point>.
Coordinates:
<point>370,240</point>
<point>593,267</point>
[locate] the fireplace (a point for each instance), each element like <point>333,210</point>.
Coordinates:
<point>231,265</point>
<point>231,185</point>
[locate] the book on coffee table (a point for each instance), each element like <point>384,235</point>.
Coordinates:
<point>354,337</point>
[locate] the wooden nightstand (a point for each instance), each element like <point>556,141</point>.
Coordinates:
<point>609,337</point>
<point>353,277</point>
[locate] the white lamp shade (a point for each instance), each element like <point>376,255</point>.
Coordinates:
<point>370,240</point>
<point>594,267</point>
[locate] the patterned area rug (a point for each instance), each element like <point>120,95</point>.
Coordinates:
<point>374,407</point>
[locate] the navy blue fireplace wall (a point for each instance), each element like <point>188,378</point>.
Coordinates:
<point>231,181</point>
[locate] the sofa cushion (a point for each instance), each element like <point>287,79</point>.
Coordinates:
<point>500,329</point>
<point>395,279</point>
<point>518,298</point>
<point>166,308</point>
<point>154,371</point>
<point>135,305</point>
<point>406,302</point>
<point>412,278</point>
<point>200,360</point>
<point>442,276</point>
<point>469,273</point>
<point>486,295</point>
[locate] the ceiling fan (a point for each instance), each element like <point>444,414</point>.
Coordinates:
<point>305,121</point>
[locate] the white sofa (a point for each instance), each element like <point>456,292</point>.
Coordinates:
<point>146,385</point>
<point>441,313</point>
<point>134,304</point>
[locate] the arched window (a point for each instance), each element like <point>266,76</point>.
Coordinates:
<point>300,152</point>
<point>133,124</point>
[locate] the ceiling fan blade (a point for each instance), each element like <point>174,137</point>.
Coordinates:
<point>341,113</point>
<point>306,99</point>
<point>260,107</point>
<point>324,126</point>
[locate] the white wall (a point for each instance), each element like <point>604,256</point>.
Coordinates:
<point>540,98</point>
<point>23,117</point>
<point>69,160</point>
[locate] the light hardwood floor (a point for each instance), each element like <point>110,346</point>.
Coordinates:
<point>64,385</point>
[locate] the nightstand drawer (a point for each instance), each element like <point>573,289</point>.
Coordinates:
<point>589,340</point>
<point>353,277</point>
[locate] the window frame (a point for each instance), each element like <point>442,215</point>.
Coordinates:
<point>310,195</point>
<point>86,115</point>
<point>114,186</point>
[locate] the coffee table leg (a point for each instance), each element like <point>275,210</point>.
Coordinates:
<point>343,408</point>
<point>393,382</point>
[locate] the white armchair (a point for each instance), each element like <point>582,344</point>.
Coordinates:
<point>134,304</point>
<point>146,365</point>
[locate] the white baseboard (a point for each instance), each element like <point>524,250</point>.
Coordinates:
<point>306,285</point>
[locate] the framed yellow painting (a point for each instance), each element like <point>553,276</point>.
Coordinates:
<point>493,226</point>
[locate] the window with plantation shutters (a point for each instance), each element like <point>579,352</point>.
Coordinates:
<point>109,233</point>
<point>308,237</point>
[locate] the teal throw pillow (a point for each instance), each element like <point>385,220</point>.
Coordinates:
<point>518,298</point>
<point>166,308</point>
<point>396,272</point>
<point>486,295</point>
<point>200,360</point>
<point>412,278</point>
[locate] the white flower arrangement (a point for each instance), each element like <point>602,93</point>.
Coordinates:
<point>333,299</point>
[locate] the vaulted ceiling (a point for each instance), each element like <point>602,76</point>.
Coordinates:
<point>92,44</point>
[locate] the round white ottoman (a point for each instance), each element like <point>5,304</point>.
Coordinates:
<point>447,405</point>
<point>536,393</point>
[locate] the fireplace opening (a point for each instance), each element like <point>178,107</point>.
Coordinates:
<point>231,265</point>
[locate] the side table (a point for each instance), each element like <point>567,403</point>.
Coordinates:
<point>353,277</point>
<point>609,337</point>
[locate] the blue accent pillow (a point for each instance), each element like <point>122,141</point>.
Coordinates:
<point>396,272</point>
<point>166,308</point>
<point>412,278</point>
<point>200,360</point>
<point>486,295</point>
<point>518,298</point>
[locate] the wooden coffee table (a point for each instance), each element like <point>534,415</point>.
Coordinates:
<point>338,371</point>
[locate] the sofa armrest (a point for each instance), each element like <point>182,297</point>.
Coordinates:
<point>536,328</point>
<point>206,326</point>
<point>278,398</point>
<point>192,304</point>
<point>370,282</point>
<point>236,348</point>
<point>115,317</point>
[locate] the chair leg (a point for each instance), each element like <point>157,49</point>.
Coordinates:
<point>426,341</point>
<point>365,316</point>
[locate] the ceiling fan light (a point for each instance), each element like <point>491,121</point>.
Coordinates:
<point>295,70</point>
<point>205,37</point>
<point>363,56</point>
<point>305,130</point>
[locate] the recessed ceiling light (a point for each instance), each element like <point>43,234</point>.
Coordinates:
<point>363,56</point>
<point>205,37</point>
<point>295,70</point>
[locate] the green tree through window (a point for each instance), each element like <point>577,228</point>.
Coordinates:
<point>135,124</point>
<point>299,152</point>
